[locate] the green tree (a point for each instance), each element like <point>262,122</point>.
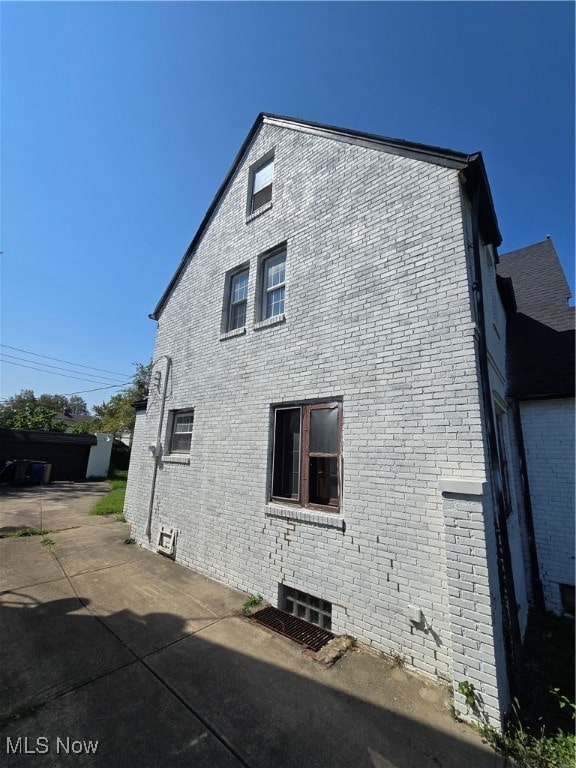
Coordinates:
<point>34,416</point>
<point>117,415</point>
<point>73,405</point>
<point>26,411</point>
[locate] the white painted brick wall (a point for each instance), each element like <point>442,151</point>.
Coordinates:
<point>476,631</point>
<point>378,314</point>
<point>548,429</point>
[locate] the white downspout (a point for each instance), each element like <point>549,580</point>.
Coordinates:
<point>158,446</point>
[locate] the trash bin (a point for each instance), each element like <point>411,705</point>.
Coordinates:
<point>36,472</point>
<point>46,474</point>
<point>20,471</point>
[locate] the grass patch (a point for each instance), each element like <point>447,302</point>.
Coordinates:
<point>113,502</point>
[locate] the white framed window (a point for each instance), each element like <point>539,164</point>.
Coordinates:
<point>273,285</point>
<point>181,435</point>
<point>261,192</point>
<point>238,300</point>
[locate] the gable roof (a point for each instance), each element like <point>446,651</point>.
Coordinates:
<point>470,165</point>
<point>540,336</point>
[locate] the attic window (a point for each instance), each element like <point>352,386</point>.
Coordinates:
<point>262,185</point>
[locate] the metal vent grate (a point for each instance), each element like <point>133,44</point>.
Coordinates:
<point>296,629</point>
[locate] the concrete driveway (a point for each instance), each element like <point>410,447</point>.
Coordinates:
<point>115,656</point>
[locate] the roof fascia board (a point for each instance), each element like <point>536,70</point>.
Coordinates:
<point>474,176</point>
<point>205,221</point>
<point>429,154</point>
<point>436,155</point>
<point>561,395</point>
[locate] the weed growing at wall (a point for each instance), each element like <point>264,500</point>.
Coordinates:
<point>253,601</point>
<point>515,743</point>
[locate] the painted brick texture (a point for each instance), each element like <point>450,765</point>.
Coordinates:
<point>476,637</point>
<point>548,428</point>
<point>377,314</point>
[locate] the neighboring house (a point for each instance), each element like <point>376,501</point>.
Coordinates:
<point>72,457</point>
<point>328,422</point>
<point>540,341</point>
<point>126,438</point>
<point>71,419</point>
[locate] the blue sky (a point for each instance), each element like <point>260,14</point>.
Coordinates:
<point>120,120</point>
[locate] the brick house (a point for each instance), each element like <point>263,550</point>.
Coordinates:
<point>540,370</point>
<point>328,422</point>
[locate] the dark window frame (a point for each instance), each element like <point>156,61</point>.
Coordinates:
<point>261,198</point>
<point>307,476</point>
<point>175,416</point>
<point>232,304</point>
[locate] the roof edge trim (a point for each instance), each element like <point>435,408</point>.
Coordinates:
<point>424,152</point>
<point>208,215</point>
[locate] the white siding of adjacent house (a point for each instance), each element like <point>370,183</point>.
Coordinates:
<point>548,429</point>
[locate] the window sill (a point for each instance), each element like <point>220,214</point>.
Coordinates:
<point>309,516</point>
<point>276,320</point>
<point>232,334</point>
<point>174,458</point>
<point>258,212</point>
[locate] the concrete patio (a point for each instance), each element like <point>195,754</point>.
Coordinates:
<point>105,642</point>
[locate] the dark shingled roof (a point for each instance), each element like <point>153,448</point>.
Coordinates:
<point>540,336</point>
<point>38,436</point>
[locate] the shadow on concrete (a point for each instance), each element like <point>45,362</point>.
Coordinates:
<point>47,506</point>
<point>227,698</point>
<point>57,492</point>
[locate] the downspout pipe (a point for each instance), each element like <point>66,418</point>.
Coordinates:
<point>511,626</point>
<point>158,446</point>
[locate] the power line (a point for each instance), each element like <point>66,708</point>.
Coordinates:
<point>59,360</point>
<point>57,367</point>
<point>55,373</point>
<point>98,389</point>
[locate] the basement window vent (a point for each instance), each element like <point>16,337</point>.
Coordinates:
<point>306,607</point>
<point>296,629</point>
<point>166,537</point>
